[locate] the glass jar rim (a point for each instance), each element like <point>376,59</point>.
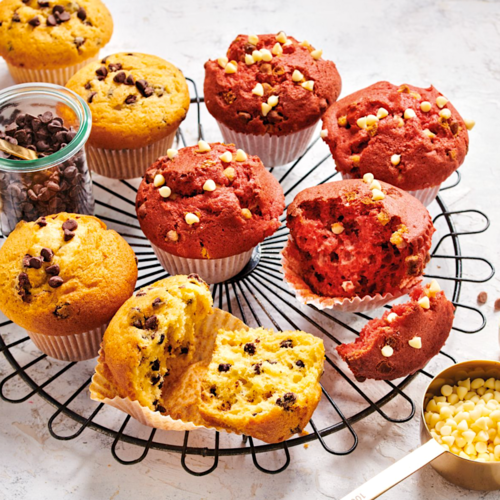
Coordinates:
<point>64,95</point>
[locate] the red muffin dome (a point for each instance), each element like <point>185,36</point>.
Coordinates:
<point>198,205</point>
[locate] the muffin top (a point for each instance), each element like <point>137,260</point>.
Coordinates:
<point>135,99</point>
<point>208,202</point>
<point>41,34</point>
<point>64,273</point>
<point>410,137</point>
<point>270,84</point>
<point>355,238</point>
<point>404,339</point>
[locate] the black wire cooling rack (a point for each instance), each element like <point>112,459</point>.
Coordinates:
<point>259,297</point>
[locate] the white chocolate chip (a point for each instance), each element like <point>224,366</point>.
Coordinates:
<point>409,113</point>
<point>377,195</point>
<point>361,122</point>
<point>337,228</point>
<point>428,133</point>
<point>309,85</point>
<point>230,173</point>
<point>375,185</point>
<point>172,153</point>
<point>209,185</point>
<point>222,61</point>
<point>347,285</point>
<point>415,342</point>
<point>391,317</point>
<point>281,37</point>
<point>277,50</point>
<point>316,54</point>
<point>371,120</point>
<point>173,236</point>
<point>226,157</point>
<point>257,56</point>
<point>288,42</point>
<point>266,55</point>
<point>469,124</point>
<point>249,60</point>
<point>387,351</point>
<point>368,178</point>
<point>382,113</point>
<point>258,90</point>
<point>425,106</point>
<point>165,191</point>
<point>203,147</point>
<point>159,180</point>
<point>433,289</point>
<point>304,43</point>
<point>241,155</point>
<point>192,219</point>
<point>424,302</point>
<point>396,159</point>
<point>265,108</point>
<point>245,213</point>
<point>253,39</point>
<point>231,67</point>
<point>297,76</point>
<point>445,113</point>
<point>323,133</point>
<point>273,100</point>
<point>441,101</point>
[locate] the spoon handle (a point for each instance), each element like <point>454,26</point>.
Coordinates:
<point>394,474</point>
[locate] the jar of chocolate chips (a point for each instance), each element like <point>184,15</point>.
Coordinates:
<point>52,124</point>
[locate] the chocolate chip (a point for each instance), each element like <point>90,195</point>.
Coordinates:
<point>46,117</point>
<point>266,68</point>
<point>131,99</point>
<point>274,117</point>
<point>35,262</point>
<point>35,21</point>
<point>26,1</point>
<point>88,86</point>
<point>213,391</point>
<point>43,3</point>
<point>497,305</point>
<point>194,276</point>
<point>161,340</point>
<point>138,324</point>
<point>53,270</point>
<point>24,281</point>
<point>114,67</point>
<point>257,369</point>
<point>26,260</point>
<point>57,9</point>
<point>51,20</point>
<point>155,365</point>
<point>155,379</point>
<point>55,281</point>
<point>482,298</point>
<point>82,14</point>
<point>130,80</point>
<point>70,224</point>
<point>120,77</point>
<point>384,367</point>
<point>16,18</point>
<point>47,254</point>
<point>90,98</point>
<point>79,41</point>
<point>140,293</point>
<point>151,323</point>
<point>287,344</point>
<point>101,72</point>
<point>142,87</point>
<point>63,17</point>
<point>184,350</point>
<point>224,367</point>
<point>300,363</point>
<point>161,409</point>
<point>68,235</point>
<point>157,302</point>
<point>244,116</point>
<point>249,348</point>
<point>287,401</point>
<point>41,222</point>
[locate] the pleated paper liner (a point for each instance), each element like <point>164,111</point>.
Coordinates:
<point>184,396</point>
<point>127,163</point>
<point>291,274</point>
<point>273,150</point>
<point>73,347</point>
<point>425,196</point>
<point>59,76</point>
<point>211,270</point>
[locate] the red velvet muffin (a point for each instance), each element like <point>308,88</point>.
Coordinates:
<point>404,339</point>
<point>353,239</point>
<point>205,208</point>
<point>410,137</point>
<point>268,93</point>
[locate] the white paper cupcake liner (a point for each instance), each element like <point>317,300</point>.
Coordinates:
<point>425,196</point>
<point>306,296</point>
<point>103,389</point>
<point>210,270</point>
<point>273,150</point>
<point>77,347</point>
<point>127,163</point>
<point>59,76</point>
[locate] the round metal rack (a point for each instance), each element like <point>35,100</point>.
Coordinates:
<point>259,297</point>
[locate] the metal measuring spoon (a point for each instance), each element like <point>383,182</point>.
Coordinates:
<point>483,476</point>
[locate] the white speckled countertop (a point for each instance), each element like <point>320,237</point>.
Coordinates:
<point>454,45</point>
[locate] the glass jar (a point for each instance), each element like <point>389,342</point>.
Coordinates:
<point>57,182</point>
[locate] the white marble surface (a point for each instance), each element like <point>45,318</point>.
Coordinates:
<point>451,44</point>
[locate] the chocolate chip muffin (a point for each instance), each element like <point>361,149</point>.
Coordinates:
<point>410,137</point>
<point>63,278</point>
<point>137,102</point>
<point>268,93</point>
<point>204,208</point>
<point>404,339</point>
<point>48,41</point>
